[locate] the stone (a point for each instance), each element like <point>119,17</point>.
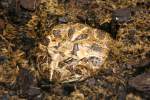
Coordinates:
<point>30,4</point>
<point>121,15</point>
<point>141,82</point>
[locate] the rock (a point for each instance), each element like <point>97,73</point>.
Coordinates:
<point>121,15</point>
<point>30,4</point>
<point>141,82</point>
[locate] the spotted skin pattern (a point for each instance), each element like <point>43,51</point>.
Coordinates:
<point>76,52</point>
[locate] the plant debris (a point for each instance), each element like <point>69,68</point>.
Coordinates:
<point>28,37</point>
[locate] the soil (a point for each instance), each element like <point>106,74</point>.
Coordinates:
<point>125,75</point>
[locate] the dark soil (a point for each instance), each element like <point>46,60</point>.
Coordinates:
<point>25,23</point>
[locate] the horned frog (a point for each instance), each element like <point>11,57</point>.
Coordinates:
<point>74,52</point>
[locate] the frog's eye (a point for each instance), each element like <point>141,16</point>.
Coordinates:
<point>82,36</point>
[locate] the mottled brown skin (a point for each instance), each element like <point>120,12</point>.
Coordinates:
<point>74,52</point>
